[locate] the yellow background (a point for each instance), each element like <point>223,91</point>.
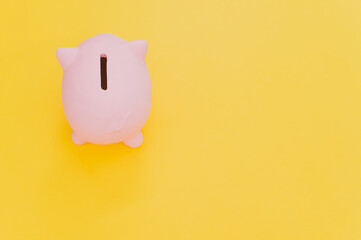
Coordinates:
<point>254,132</point>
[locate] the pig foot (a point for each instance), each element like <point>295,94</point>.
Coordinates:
<point>76,139</point>
<point>135,141</point>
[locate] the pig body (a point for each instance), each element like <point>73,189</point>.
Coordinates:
<point>106,90</point>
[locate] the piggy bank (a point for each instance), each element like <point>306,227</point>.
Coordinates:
<point>106,90</point>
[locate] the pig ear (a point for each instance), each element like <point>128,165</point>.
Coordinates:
<point>66,56</point>
<point>139,47</point>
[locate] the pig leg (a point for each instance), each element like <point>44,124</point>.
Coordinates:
<point>135,141</point>
<point>76,139</point>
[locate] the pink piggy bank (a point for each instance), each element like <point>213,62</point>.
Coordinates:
<point>106,90</point>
